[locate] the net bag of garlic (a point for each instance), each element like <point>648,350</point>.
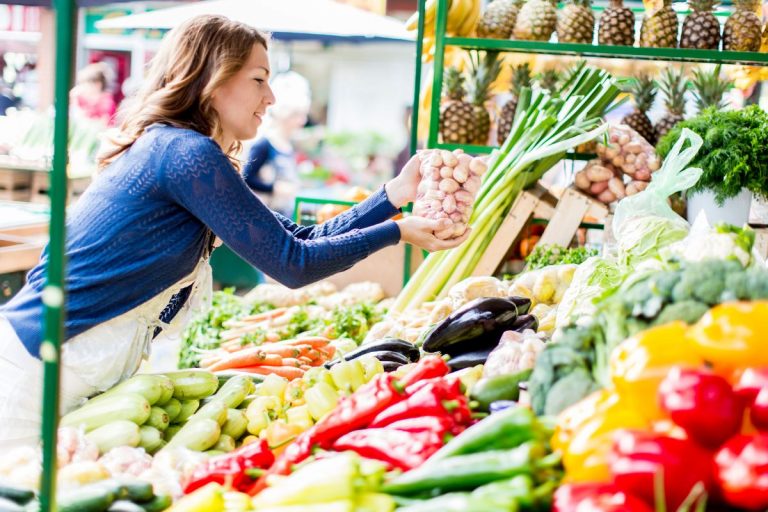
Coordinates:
<point>449,183</point>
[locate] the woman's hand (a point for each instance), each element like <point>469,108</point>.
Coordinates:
<point>402,190</point>
<point>420,232</point>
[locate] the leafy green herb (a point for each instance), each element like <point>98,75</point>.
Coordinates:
<point>733,156</point>
<point>546,255</point>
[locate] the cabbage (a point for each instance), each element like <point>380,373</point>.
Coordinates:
<point>591,281</point>
<point>643,237</point>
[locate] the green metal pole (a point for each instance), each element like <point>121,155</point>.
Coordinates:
<point>54,292</point>
<point>437,83</point>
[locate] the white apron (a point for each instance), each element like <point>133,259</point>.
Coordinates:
<point>92,361</point>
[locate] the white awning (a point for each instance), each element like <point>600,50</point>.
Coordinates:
<point>323,20</point>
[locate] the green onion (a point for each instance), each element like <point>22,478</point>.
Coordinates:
<point>545,128</point>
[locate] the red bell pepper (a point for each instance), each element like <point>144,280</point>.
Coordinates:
<point>397,448</point>
<point>596,497</point>
<point>758,412</point>
<point>232,468</point>
<point>741,467</point>
<point>638,457</point>
<point>751,381</point>
<point>444,424</point>
<point>703,404</point>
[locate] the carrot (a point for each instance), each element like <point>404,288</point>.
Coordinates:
<point>289,372</point>
<point>305,360</point>
<point>209,360</point>
<point>290,361</point>
<point>280,350</point>
<point>266,315</point>
<point>328,351</point>
<point>247,357</point>
<point>312,341</point>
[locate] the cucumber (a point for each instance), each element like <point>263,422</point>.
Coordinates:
<point>150,387</point>
<point>136,490</point>
<point>499,387</point>
<point>197,435</point>
<point>8,505</point>
<point>158,418</point>
<point>188,408</point>
<point>171,431</point>
<point>89,498</point>
<point>157,504</point>
<point>234,391</point>
<point>215,410</point>
<point>225,444</point>
<point>214,453</point>
<point>151,439</point>
<point>193,384</point>
<point>17,494</point>
<point>236,424</point>
<point>124,506</point>
<point>172,409</point>
<point>114,434</point>
<point>130,406</point>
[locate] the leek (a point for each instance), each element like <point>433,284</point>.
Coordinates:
<point>544,129</point>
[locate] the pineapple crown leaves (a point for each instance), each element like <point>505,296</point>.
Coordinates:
<point>454,84</point>
<point>703,5</point>
<point>582,3</point>
<point>482,73</point>
<point>521,77</point>
<point>548,80</point>
<point>643,90</point>
<point>709,87</point>
<point>673,86</point>
<point>746,5</point>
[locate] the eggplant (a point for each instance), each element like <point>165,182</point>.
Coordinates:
<point>523,304</point>
<point>406,348</point>
<point>389,355</point>
<point>469,359</point>
<point>482,319</point>
<point>525,322</point>
<point>390,366</point>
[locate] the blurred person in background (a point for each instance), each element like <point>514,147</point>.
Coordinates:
<point>270,167</point>
<point>91,97</point>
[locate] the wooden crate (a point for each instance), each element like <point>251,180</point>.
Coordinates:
<point>41,186</point>
<point>15,185</point>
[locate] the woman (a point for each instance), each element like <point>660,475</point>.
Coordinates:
<point>138,240</point>
<point>91,97</point>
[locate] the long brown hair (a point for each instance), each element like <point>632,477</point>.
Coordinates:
<point>195,58</point>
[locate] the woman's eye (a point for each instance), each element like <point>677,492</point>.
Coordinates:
<point>259,80</point>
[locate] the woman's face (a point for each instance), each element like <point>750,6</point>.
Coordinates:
<point>242,101</point>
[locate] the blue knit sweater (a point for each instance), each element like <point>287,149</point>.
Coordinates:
<point>144,223</point>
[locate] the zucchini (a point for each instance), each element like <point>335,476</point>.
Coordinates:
<point>166,391</point>
<point>236,424</point>
<point>114,434</point>
<point>150,387</point>
<point>158,418</point>
<point>188,408</point>
<point>157,504</point>
<point>215,410</point>
<point>225,444</point>
<point>130,406</point>
<point>89,498</point>
<point>500,387</point>
<point>20,495</point>
<point>197,435</point>
<point>171,431</point>
<point>172,409</point>
<point>234,391</point>
<point>136,490</point>
<point>124,506</point>
<point>151,439</point>
<point>193,384</point>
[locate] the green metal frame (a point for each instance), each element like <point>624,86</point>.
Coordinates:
<point>54,292</point>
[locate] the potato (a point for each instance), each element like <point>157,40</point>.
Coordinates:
<point>462,196</point>
<point>596,173</point>
<point>616,186</point>
<point>642,176</point>
<point>449,158</point>
<point>449,185</point>
<point>449,204</point>
<point>461,173</point>
<point>606,197</point>
<point>446,172</point>
<point>478,166</point>
<point>473,184</point>
<point>581,180</point>
<point>435,160</point>
<point>599,187</point>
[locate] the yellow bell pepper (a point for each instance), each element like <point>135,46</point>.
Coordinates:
<point>585,457</point>
<point>732,336</point>
<point>640,363</point>
<point>206,499</point>
<point>574,417</point>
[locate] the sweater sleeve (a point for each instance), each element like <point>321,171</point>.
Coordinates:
<point>198,176</point>
<point>374,210</point>
<point>257,157</point>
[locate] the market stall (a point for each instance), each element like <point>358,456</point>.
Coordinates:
<point>624,375</point>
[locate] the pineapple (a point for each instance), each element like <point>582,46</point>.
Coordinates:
<point>521,77</point>
<point>673,86</point>
<point>709,87</point>
<point>659,30</point>
<point>482,75</point>
<point>576,23</point>
<point>455,112</point>
<point>701,30</point>
<point>498,20</point>
<point>742,31</point>
<point>617,25</point>
<point>536,21</point>
<point>549,81</point>
<point>644,92</point>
